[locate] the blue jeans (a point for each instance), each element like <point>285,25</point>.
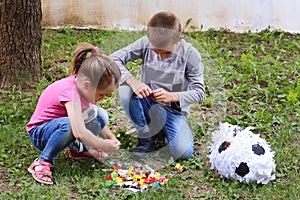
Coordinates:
<point>55,135</point>
<point>149,118</point>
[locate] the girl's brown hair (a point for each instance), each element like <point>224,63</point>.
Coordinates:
<point>100,70</point>
<point>163,29</point>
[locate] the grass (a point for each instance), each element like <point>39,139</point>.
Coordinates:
<point>252,79</point>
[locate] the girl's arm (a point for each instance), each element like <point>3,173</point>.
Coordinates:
<point>82,133</point>
<point>106,132</point>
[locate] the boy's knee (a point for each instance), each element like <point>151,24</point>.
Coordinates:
<point>183,153</point>
<point>125,93</point>
<point>187,154</point>
<point>182,147</point>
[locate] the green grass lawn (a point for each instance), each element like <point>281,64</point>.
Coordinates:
<point>252,79</point>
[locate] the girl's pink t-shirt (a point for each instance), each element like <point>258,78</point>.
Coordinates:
<point>52,100</point>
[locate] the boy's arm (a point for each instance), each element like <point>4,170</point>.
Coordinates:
<point>132,52</point>
<point>195,78</point>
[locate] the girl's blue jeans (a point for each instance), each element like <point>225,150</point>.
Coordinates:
<point>149,118</point>
<point>55,135</point>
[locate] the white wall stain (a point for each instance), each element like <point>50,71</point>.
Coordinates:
<point>239,16</point>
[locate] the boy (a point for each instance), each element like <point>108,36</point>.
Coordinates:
<point>171,80</point>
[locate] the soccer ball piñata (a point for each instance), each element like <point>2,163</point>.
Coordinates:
<point>239,154</point>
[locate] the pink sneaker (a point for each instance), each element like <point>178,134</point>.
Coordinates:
<point>92,153</point>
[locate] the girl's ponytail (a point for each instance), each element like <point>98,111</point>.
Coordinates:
<point>81,52</point>
<point>100,70</point>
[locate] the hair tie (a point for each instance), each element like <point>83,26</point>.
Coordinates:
<point>95,51</point>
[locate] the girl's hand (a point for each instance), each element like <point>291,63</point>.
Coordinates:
<point>116,141</point>
<point>110,145</point>
<point>163,96</point>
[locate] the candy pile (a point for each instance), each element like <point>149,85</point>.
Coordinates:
<point>137,178</point>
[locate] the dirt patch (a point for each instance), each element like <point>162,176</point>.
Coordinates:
<point>4,183</point>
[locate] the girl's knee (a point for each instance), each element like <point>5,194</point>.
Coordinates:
<point>66,130</point>
<point>65,126</point>
<point>102,117</point>
<point>97,124</point>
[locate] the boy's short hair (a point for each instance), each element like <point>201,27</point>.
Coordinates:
<point>163,29</point>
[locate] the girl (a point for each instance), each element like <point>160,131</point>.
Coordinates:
<point>66,113</point>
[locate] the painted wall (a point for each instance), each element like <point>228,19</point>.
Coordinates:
<point>236,15</point>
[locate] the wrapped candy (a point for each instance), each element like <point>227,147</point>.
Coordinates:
<point>136,178</point>
<point>179,167</point>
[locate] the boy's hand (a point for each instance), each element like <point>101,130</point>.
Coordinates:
<point>139,88</point>
<point>163,96</point>
<point>142,90</point>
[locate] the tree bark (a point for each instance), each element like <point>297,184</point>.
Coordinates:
<point>20,42</point>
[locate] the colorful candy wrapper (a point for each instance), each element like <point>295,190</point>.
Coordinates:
<point>137,178</point>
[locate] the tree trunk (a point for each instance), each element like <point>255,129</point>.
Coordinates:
<point>20,42</point>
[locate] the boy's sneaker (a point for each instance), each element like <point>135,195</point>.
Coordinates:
<point>143,148</point>
<point>139,153</point>
<point>92,153</point>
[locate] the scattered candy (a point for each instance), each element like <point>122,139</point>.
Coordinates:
<point>136,178</point>
<point>109,183</point>
<point>179,167</point>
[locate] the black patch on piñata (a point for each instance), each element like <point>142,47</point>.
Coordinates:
<point>242,169</point>
<point>258,150</point>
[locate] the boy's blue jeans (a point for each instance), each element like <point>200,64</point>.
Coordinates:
<point>149,118</point>
<point>55,135</point>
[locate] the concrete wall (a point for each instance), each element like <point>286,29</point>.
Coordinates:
<point>236,15</point>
